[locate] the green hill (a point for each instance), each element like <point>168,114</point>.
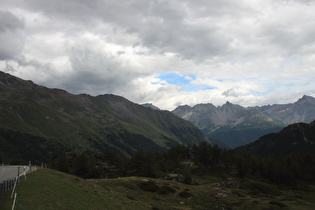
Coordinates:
<point>49,189</point>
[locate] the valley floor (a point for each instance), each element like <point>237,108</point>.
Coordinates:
<point>49,189</point>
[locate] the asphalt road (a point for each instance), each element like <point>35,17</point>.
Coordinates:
<point>9,172</point>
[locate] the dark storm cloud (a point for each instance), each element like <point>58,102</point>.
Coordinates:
<point>193,30</point>
<point>23,62</point>
<point>8,21</point>
<point>290,37</point>
<point>161,26</point>
<point>186,41</point>
<point>11,35</point>
<point>95,71</point>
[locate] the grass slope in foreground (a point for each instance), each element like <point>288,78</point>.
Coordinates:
<point>49,189</point>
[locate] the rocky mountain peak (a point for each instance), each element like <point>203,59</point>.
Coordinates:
<point>207,106</point>
<point>306,99</point>
<point>227,103</point>
<point>228,106</point>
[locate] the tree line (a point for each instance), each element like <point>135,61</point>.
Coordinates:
<point>203,159</point>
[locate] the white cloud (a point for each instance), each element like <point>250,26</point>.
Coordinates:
<point>260,51</point>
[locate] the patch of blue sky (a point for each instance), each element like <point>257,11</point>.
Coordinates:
<point>183,81</point>
<point>176,79</point>
<point>195,87</point>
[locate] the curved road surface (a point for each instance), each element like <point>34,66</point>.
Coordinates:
<point>9,172</point>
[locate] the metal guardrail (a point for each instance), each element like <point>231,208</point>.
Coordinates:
<point>6,185</point>
<point>10,184</point>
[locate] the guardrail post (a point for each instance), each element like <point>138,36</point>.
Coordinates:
<point>1,189</point>
<point>18,175</point>
<point>14,187</point>
<point>14,201</point>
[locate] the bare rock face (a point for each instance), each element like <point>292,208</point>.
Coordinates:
<point>301,111</point>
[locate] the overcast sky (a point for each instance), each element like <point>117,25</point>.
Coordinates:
<point>165,52</point>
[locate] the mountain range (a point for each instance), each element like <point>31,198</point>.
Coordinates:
<point>235,125</point>
<point>302,110</point>
<point>36,121</point>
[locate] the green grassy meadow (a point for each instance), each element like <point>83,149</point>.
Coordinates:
<point>50,189</point>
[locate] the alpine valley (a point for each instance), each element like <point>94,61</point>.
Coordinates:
<point>235,125</point>
<point>138,157</point>
<point>36,122</point>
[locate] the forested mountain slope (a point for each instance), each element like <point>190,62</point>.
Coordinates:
<point>295,138</point>
<point>59,120</point>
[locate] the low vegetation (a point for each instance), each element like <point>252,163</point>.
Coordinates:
<point>197,177</point>
<point>50,189</point>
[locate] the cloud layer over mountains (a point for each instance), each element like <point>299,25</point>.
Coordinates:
<point>168,53</point>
